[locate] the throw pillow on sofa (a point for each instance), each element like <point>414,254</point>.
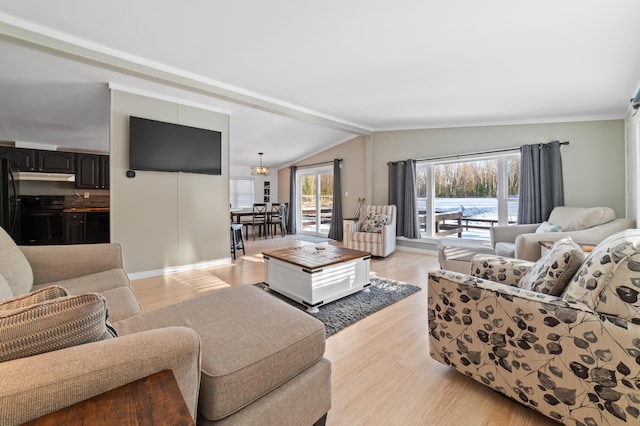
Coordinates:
<point>553,271</point>
<point>53,324</point>
<point>374,222</point>
<point>47,293</point>
<point>547,227</point>
<point>609,280</point>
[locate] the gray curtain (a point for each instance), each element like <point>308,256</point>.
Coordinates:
<point>291,214</point>
<point>335,228</point>
<point>541,182</point>
<point>402,193</point>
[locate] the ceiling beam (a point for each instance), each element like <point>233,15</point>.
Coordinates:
<point>40,39</point>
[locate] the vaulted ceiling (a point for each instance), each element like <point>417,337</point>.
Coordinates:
<point>297,77</point>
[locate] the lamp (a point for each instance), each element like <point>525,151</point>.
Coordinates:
<point>260,170</point>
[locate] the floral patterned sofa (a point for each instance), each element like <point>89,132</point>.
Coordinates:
<point>561,336</point>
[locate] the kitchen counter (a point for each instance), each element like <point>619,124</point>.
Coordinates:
<point>86,209</point>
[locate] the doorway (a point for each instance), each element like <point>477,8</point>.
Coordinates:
<point>315,200</point>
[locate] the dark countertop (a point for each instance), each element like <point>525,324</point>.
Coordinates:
<point>86,209</point>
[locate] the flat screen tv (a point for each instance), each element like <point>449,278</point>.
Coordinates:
<point>158,146</point>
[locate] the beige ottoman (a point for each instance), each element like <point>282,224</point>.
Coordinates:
<point>262,359</point>
<point>456,254</point>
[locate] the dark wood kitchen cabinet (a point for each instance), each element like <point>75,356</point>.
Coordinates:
<point>92,171</point>
<point>74,228</point>
<point>20,159</point>
<point>86,228</point>
<point>35,160</point>
<point>56,161</point>
<point>96,229</point>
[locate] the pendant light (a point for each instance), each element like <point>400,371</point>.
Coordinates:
<point>260,170</point>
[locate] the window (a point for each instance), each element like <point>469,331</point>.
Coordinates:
<point>241,192</point>
<point>483,189</point>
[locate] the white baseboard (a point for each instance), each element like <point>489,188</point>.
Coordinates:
<point>417,250</point>
<point>181,268</point>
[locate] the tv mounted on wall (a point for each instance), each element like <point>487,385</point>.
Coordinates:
<point>166,147</point>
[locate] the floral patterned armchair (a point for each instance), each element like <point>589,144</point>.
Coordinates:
<point>571,353</point>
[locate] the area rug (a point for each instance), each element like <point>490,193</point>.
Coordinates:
<point>310,238</point>
<point>348,310</point>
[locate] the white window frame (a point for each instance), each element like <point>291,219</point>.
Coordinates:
<point>312,171</point>
<point>502,193</point>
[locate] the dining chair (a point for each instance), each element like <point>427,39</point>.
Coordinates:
<point>278,218</point>
<point>259,220</point>
<point>237,239</point>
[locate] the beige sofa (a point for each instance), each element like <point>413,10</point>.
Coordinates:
<point>573,356</point>
<point>240,356</point>
<point>586,225</point>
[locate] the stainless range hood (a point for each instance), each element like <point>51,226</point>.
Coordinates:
<point>45,177</point>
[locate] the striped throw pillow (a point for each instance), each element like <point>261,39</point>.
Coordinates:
<point>47,293</point>
<point>53,324</point>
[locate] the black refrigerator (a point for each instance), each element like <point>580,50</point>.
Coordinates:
<point>8,198</point>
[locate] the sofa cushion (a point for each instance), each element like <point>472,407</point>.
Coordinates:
<point>252,343</point>
<point>504,270</point>
<point>553,271</point>
<point>93,283</point>
<point>47,293</point>
<point>456,254</point>
<point>5,290</point>
<point>113,285</point>
<point>609,280</point>
<point>578,218</point>
<point>366,237</point>
<point>53,324</point>
<point>14,266</point>
<point>505,249</point>
<point>121,302</point>
<point>374,222</point>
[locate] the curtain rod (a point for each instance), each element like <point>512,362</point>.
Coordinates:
<point>317,164</point>
<point>470,154</point>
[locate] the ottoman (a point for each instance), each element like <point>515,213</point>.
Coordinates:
<point>456,254</point>
<point>262,359</point>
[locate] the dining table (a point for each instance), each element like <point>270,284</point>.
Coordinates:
<point>238,214</point>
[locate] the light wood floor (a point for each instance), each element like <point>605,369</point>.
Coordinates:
<point>382,373</point>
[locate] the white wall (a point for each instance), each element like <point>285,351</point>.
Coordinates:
<point>593,163</point>
<point>166,220</point>
<point>352,175</point>
<point>258,182</point>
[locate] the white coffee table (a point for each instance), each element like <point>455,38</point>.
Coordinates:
<point>316,275</point>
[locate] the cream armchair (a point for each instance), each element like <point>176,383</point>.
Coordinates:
<point>375,231</point>
<point>586,225</point>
